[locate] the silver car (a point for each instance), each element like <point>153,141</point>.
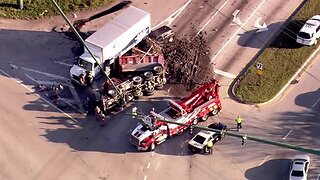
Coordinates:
<point>299,167</point>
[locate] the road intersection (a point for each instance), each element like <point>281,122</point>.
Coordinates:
<point>48,143</point>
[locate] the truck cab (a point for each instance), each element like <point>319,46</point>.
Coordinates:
<point>84,63</point>
<point>149,133</point>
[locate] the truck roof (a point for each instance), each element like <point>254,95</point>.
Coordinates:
<point>117,26</point>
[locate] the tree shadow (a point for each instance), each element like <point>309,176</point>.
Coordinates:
<point>113,9</point>
<point>9,5</point>
<point>79,23</point>
<point>285,38</point>
<point>276,169</point>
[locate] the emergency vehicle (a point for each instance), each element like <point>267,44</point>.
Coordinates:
<point>198,106</point>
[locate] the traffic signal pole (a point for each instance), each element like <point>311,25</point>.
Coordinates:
<point>244,137</point>
<point>83,43</point>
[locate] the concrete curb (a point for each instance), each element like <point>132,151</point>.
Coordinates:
<point>280,93</point>
<point>285,87</point>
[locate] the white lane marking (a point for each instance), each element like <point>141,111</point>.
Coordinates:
<point>224,46</point>
<point>287,134</point>
<point>152,154</point>
<point>226,74</point>
<point>40,82</point>
<point>39,72</point>
<point>157,166</point>
<point>63,63</point>
<point>264,160</point>
<point>70,102</point>
<point>236,19</point>
<point>173,16</point>
<point>148,165</point>
<point>316,103</point>
<point>212,17</point>
<point>145,177</point>
<point>20,82</point>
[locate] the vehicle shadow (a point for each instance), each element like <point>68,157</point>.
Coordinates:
<point>286,38</point>
<point>85,134</point>
<point>276,169</point>
<point>305,99</point>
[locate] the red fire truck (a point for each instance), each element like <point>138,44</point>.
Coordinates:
<point>198,106</point>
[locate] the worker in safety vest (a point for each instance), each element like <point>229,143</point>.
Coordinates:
<point>209,146</point>
<point>239,122</point>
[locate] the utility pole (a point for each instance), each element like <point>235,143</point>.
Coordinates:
<point>20,4</point>
<point>244,137</point>
<point>83,43</point>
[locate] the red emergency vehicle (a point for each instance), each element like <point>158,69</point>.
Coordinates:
<point>198,106</point>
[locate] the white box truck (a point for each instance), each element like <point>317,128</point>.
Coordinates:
<point>112,40</point>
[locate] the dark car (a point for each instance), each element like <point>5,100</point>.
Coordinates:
<point>162,34</point>
<point>219,126</point>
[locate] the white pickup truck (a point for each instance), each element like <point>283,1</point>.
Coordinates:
<point>114,39</point>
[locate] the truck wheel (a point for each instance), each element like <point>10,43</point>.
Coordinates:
<point>158,87</point>
<point>137,80</point>
<point>112,93</point>
<point>195,122</point>
<point>215,112</point>
<point>149,93</point>
<point>152,146</point>
<point>204,117</point>
<point>148,75</point>
<point>157,70</point>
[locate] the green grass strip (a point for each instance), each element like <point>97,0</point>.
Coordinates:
<point>281,60</point>
<point>36,9</point>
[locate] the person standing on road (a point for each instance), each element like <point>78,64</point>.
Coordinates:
<point>239,122</point>
<point>209,146</point>
<point>89,78</point>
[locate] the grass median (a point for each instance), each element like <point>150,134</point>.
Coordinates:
<point>35,9</point>
<point>280,61</point>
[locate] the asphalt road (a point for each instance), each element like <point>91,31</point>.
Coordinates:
<point>41,142</point>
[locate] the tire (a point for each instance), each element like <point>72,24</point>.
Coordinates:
<point>137,80</point>
<point>158,87</point>
<point>149,93</point>
<point>152,146</point>
<point>148,75</point>
<point>112,93</point>
<point>157,70</point>
<point>204,117</point>
<point>195,122</point>
<point>214,112</point>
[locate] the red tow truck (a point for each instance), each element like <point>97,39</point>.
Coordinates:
<point>197,106</point>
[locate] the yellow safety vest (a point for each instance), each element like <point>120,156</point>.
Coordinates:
<point>238,120</point>
<point>209,144</point>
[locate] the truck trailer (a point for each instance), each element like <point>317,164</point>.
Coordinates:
<point>114,39</point>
